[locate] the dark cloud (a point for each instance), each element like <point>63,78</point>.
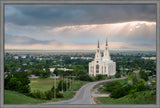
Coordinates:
<point>22,40</point>
<point>63,15</point>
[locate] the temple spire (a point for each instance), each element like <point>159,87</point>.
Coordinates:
<point>106,41</point>
<point>98,43</point>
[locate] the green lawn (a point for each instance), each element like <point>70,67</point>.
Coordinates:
<point>46,84</point>
<point>42,84</point>
<point>12,97</point>
<point>144,97</point>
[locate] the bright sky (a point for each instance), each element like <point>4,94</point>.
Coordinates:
<point>77,27</point>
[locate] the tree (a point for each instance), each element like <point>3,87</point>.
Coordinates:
<point>18,81</point>
<point>38,72</point>
<point>49,94</point>
<point>99,77</point>
<point>60,85</point>
<point>6,80</point>
<point>6,69</point>
<point>56,71</point>
<point>143,75</point>
<point>118,75</point>
<point>46,73</point>
<point>14,84</point>
<point>85,77</point>
<point>111,86</point>
<point>120,92</point>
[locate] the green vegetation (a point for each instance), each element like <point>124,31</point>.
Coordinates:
<point>42,84</point>
<point>143,97</point>
<point>127,63</point>
<point>133,90</point>
<point>134,83</point>
<point>85,77</point>
<point>12,97</point>
<point>18,81</point>
<point>41,88</point>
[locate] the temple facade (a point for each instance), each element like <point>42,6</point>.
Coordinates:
<point>102,65</point>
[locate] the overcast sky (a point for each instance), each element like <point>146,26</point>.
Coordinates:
<point>59,27</point>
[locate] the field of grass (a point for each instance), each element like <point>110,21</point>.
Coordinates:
<point>12,97</point>
<point>46,84</point>
<point>144,97</point>
<point>42,84</point>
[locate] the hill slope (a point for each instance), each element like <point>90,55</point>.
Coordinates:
<point>144,97</point>
<point>12,97</point>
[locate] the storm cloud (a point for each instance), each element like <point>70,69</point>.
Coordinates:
<point>66,15</point>
<point>80,26</point>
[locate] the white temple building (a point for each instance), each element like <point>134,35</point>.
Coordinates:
<point>102,65</point>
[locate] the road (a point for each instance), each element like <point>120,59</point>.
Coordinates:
<point>83,96</point>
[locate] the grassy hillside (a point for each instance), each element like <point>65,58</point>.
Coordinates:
<point>12,97</point>
<point>144,97</point>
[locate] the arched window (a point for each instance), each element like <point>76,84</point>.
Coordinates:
<point>97,68</point>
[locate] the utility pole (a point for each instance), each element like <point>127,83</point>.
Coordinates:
<point>62,83</point>
<point>72,79</point>
<point>66,84</point>
<point>70,82</point>
<point>55,88</point>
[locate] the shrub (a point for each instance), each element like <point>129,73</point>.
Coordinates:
<point>24,81</point>
<point>38,94</point>
<point>118,75</point>
<point>45,73</point>
<point>143,75</point>
<point>132,93</point>
<point>85,77</point>
<point>25,89</point>
<point>48,94</point>
<point>18,81</point>
<point>6,81</point>
<point>52,89</point>
<point>111,86</point>
<point>99,77</point>
<point>141,87</point>
<point>59,88</point>
<point>59,95</point>
<point>120,92</point>
<point>14,84</point>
